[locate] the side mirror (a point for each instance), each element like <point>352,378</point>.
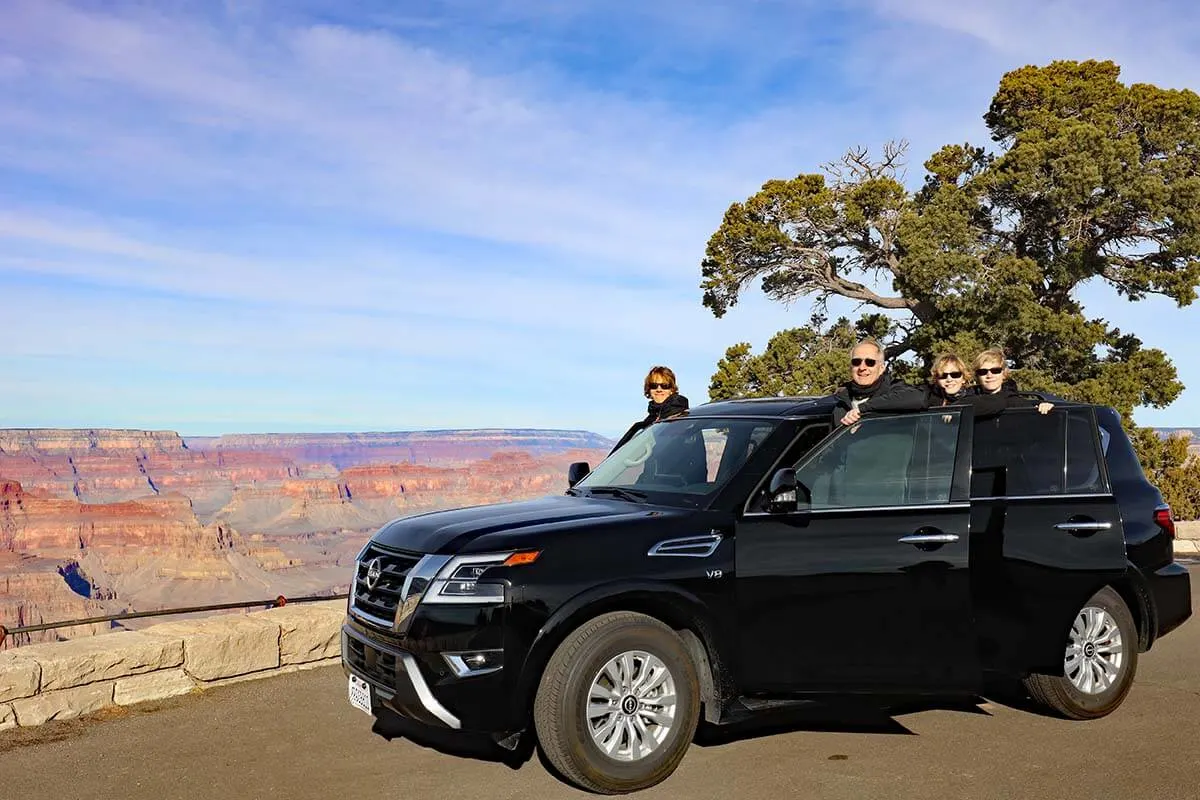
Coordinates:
<point>783,492</point>
<point>577,472</point>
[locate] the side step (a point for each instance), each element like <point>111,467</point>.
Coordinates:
<point>743,708</point>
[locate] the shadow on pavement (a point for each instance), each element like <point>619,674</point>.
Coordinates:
<point>877,716</point>
<point>849,716</point>
<point>455,743</point>
<point>1011,693</point>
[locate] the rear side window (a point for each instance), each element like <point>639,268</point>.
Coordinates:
<point>1022,453</point>
<point>1083,462</point>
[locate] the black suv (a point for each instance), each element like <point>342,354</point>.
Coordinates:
<point>749,554</point>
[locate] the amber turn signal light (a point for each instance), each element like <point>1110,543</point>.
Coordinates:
<point>518,559</point>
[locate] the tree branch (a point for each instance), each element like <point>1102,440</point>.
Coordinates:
<point>896,349</point>
<point>856,291</point>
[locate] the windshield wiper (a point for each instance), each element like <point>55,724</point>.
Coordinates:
<point>631,495</point>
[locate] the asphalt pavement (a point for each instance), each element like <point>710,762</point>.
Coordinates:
<point>297,737</point>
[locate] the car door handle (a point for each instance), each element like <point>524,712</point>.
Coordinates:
<point>1083,526</point>
<point>929,538</point>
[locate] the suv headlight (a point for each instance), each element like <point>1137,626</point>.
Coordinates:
<point>458,581</point>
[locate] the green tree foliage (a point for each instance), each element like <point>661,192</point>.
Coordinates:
<point>1090,180</point>
<point>807,361</point>
<point>1171,468</point>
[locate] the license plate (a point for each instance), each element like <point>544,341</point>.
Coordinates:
<point>360,694</point>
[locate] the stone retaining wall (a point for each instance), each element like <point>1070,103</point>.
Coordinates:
<point>60,680</point>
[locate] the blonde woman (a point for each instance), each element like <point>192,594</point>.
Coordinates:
<point>947,381</point>
<point>995,389</point>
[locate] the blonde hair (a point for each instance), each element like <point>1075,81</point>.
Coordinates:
<point>939,365</point>
<point>992,354</point>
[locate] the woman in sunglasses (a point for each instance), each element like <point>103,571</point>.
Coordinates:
<point>995,390</point>
<point>947,386</point>
<point>947,381</point>
<point>665,400</point>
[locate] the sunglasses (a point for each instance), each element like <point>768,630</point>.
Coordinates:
<point>854,362</point>
<point>985,370</point>
<point>943,376</point>
<point>654,385</point>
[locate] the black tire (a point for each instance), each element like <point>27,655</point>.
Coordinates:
<point>1060,695</point>
<point>560,708</point>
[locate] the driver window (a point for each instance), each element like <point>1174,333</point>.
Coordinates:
<point>885,461</point>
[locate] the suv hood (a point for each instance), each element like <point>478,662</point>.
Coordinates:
<point>450,532</point>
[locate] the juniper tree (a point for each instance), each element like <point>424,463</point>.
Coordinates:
<point>1087,179</point>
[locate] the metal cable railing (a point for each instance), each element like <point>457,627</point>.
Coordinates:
<point>278,602</point>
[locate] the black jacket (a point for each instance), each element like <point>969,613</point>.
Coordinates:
<point>675,404</point>
<point>894,395</point>
<point>886,394</point>
<point>987,405</point>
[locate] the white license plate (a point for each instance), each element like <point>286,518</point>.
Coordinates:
<point>360,694</point>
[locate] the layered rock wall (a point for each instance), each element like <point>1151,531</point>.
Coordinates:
<point>140,520</point>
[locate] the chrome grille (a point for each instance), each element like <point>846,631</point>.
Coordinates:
<point>378,604</point>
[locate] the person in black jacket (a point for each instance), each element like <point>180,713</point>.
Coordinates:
<point>947,381</point>
<point>662,390</point>
<point>872,388</point>
<point>997,391</point>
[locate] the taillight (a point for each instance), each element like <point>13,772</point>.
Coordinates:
<point>1162,516</point>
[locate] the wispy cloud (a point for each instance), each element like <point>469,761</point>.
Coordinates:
<point>329,204</point>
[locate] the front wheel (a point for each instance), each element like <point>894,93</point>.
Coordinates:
<point>1099,662</point>
<point>618,704</point>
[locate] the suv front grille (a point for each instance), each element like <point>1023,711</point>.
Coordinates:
<point>379,603</point>
<point>377,665</point>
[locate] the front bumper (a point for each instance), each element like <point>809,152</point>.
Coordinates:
<point>411,678</point>
<point>395,678</point>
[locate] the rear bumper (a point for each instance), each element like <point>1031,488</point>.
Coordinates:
<point>1171,591</point>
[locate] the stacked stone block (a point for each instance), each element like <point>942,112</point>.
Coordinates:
<point>61,680</point>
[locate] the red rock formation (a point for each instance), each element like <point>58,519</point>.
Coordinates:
<point>33,591</point>
<point>146,520</point>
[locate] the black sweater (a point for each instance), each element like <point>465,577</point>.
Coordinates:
<point>675,404</point>
<point>899,396</point>
<point>886,394</point>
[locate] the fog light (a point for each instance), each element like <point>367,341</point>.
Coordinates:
<point>475,662</point>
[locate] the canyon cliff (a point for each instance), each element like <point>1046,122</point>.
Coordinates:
<point>96,522</point>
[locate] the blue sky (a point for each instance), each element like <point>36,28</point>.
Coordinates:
<point>237,217</point>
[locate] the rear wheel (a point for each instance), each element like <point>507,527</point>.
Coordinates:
<point>618,704</point>
<point>1099,663</point>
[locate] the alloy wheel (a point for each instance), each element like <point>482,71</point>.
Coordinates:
<point>1095,652</point>
<point>631,705</point>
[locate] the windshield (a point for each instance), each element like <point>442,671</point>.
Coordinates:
<point>679,460</point>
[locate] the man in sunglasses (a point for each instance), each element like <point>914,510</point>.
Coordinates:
<point>871,388</point>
